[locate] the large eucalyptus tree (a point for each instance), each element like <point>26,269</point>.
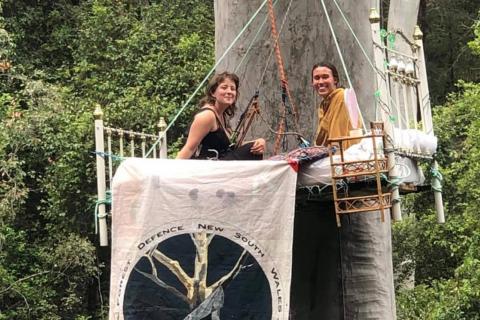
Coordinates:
<point>307,33</point>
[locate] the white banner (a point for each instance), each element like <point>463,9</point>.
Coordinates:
<point>198,239</point>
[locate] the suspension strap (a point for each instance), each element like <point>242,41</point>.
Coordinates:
<point>280,133</point>
<point>284,83</point>
<point>245,121</point>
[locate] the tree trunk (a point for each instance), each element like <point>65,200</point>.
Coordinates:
<point>304,41</point>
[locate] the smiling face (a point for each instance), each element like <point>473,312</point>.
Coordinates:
<point>323,81</point>
<point>226,92</point>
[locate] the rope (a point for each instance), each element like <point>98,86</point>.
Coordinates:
<point>109,155</point>
<point>283,79</point>
<point>96,215</point>
<point>271,51</point>
<point>337,45</point>
<point>250,45</point>
<point>278,54</point>
<point>384,35</point>
<point>393,185</point>
<point>291,133</point>
<point>437,179</point>
<point>208,74</point>
<point>355,36</point>
<point>311,190</point>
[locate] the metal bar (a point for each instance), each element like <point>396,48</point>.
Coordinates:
<point>110,165</point>
<point>405,104</point>
<point>346,138</point>
<point>132,143</point>
<point>121,134</point>
<point>143,138</point>
<point>380,54</point>
<point>101,185</point>
<point>334,185</point>
<point>413,98</point>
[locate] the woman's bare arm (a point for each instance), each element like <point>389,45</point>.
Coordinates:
<point>202,124</point>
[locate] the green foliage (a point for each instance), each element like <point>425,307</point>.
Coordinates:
<point>475,43</point>
<point>43,33</point>
<point>447,26</point>
<point>140,61</point>
<point>457,298</point>
<point>446,258</point>
<point>141,66</point>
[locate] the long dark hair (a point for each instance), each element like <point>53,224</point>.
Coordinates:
<point>329,66</point>
<point>213,84</point>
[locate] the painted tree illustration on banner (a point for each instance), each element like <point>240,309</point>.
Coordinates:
<point>196,282</point>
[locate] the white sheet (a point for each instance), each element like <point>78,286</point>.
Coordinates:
<point>174,220</point>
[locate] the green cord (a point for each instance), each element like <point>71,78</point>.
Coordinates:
<point>393,185</point>
<point>107,200</point>
<point>437,179</point>
<point>391,40</point>
<point>383,34</point>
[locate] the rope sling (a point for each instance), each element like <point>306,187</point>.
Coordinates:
<point>286,94</point>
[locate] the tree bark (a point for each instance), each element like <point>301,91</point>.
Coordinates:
<point>305,40</point>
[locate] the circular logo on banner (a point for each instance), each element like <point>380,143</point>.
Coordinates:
<point>200,271</point>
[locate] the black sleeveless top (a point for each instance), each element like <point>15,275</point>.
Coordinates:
<point>214,140</point>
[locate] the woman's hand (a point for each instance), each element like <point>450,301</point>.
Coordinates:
<point>258,146</point>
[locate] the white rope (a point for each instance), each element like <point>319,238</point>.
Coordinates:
<point>375,69</point>
<point>336,44</point>
<point>355,37</point>
<point>342,60</point>
<point>253,40</point>
<point>208,74</point>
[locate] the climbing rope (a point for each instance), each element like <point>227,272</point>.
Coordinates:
<point>109,155</point>
<point>96,215</point>
<point>342,60</point>
<point>304,142</point>
<point>337,46</point>
<point>355,36</point>
<point>260,29</point>
<point>393,184</point>
<point>437,179</point>
<point>284,81</point>
<point>252,18</point>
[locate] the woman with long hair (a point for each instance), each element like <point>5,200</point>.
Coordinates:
<point>209,135</point>
<point>333,116</point>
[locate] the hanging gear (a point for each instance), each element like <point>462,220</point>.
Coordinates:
<point>287,100</point>
<point>245,121</point>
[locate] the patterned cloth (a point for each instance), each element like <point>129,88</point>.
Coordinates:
<point>301,156</point>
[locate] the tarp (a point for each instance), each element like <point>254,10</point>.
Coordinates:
<point>195,239</point>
